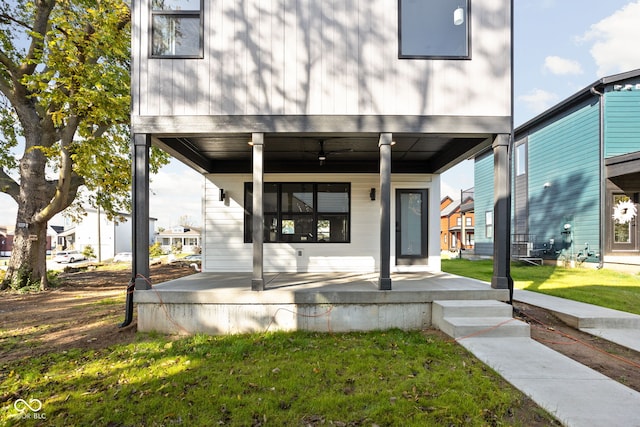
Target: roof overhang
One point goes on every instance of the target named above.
(624, 171)
(422, 144)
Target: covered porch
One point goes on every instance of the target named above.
(222, 303)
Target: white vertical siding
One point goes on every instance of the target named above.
(321, 57)
(224, 246)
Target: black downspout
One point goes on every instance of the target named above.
(603, 184)
(128, 315)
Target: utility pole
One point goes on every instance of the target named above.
(462, 230)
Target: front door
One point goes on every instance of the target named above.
(411, 227)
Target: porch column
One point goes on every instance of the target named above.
(257, 282)
(501, 278)
(140, 197)
(384, 282)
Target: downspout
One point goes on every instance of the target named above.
(128, 315)
(601, 171)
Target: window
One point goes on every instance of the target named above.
(488, 218)
(436, 29)
(467, 221)
(521, 159)
(621, 226)
(459, 221)
(176, 27)
(302, 212)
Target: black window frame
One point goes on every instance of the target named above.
(177, 14)
(274, 233)
(467, 25)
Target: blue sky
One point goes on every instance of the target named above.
(561, 46)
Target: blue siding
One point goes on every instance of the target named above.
(622, 122)
(565, 154)
(483, 202)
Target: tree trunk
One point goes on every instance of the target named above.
(28, 264)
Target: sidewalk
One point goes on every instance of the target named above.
(576, 395)
(612, 325)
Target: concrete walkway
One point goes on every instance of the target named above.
(575, 394)
(616, 326)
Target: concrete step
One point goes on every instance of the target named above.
(482, 318)
(493, 327)
(471, 308)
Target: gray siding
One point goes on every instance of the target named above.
(320, 57)
(483, 202)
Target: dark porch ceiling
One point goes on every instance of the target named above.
(624, 171)
(297, 153)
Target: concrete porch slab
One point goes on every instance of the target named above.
(223, 303)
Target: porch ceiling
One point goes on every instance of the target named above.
(624, 171)
(412, 153)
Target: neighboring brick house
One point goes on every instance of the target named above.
(453, 215)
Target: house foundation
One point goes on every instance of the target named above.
(222, 303)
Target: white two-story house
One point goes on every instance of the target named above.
(321, 126)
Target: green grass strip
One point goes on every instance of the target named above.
(378, 378)
(606, 288)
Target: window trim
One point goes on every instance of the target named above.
(178, 14)
(280, 214)
(488, 224)
(467, 23)
(521, 159)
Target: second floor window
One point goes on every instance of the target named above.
(434, 29)
(176, 27)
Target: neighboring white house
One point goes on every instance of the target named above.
(105, 236)
(322, 127)
(185, 239)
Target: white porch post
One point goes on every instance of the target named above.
(384, 282)
(257, 282)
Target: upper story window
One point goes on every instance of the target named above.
(176, 27)
(434, 29)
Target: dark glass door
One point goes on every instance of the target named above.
(411, 226)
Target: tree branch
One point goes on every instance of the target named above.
(64, 187)
(9, 186)
(40, 26)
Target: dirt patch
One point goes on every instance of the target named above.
(85, 313)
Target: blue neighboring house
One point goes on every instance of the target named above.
(575, 179)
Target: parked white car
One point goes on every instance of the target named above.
(123, 257)
(68, 256)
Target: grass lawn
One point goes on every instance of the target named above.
(607, 288)
(380, 378)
